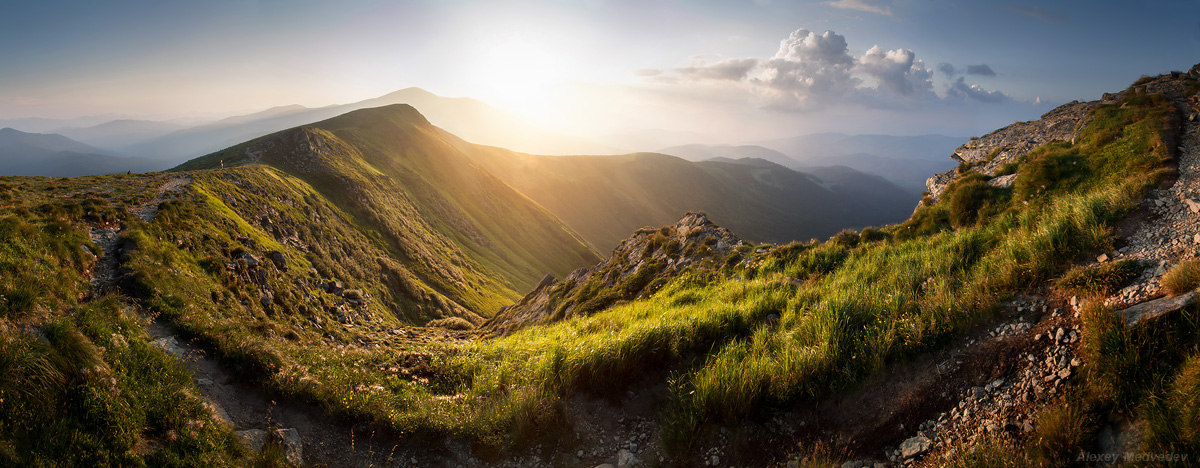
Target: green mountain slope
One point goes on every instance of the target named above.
(456, 226)
(605, 198)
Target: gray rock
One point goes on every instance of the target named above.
(1102, 258)
(267, 298)
(1004, 181)
(1058, 334)
(278, 259)
(1193, 205)
(914, 446)
(293, 447)
(625, 459)
(253, 438)
(169, 345)
(1155, 308)
(250, 259)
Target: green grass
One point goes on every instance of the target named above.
(1102, 280)
(1183, 278)
(867, 300)
(80, 384)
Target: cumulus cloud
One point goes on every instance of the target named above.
(808, 67)
(946, 69)
(861, 5)
(726, 70)
(981, 69)
(962, 91)
(812, 71)
(897, 71)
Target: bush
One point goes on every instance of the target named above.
(969, 201)
(1062, 433)
(1055, 170)
(847, 238)
(1183, 278)
(871, 234)
(1101, 280)
(451, 323)
(1185, 399)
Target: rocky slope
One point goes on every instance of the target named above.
(639, 266)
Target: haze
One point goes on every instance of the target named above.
(712, 71)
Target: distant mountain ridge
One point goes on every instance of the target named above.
(53, 155)
(605, 198)
(698, 152)
(467, 118)
(903, 160)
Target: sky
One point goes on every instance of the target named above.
(719, 71)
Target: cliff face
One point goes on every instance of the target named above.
(639, 266)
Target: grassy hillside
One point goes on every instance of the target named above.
(797, 322)
(453, 224)
(80, 384)
(311, 273)
(605, 198)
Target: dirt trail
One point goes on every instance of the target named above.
(326, 442)
(1166, 229)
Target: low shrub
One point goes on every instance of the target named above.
(1100, 280)
(451, 323)
(1183, 278)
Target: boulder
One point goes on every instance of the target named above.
(293, 447)
(1156, 308)
(278, 259)
(253, 438)
(625, 459)
(250, 259)
(170, 345)
(914, 446)
(1003, 181)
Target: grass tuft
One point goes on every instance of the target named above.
(1184, 278)
(1102, 280)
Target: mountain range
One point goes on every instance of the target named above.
(53, 155)
(605, 198)
(903, 160)
(349, 292)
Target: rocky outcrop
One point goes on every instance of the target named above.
(638, 266)
(994, 150)
(991, 152)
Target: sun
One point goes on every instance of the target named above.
(516, 72)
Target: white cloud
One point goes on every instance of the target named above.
(729, 69)
(897, 71)
(861, 5)
(811, 71)
(962, 91)
(808, 70)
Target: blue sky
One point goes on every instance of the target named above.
(728, 70)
